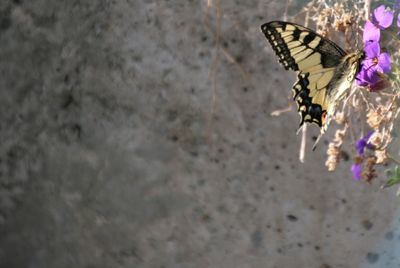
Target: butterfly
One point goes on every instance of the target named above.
(325, 72)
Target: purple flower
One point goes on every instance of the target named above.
(381, 19)
(363, 142)
(356, 169)
(375, 62)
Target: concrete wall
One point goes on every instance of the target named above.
(130, 139)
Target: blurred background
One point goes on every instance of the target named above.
(139, 133)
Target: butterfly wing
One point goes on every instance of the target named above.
(314, 58)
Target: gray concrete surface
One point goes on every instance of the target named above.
(118, 149)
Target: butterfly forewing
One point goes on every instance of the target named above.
(294, 44)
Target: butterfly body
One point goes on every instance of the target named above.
(342, 79)
(324, 71)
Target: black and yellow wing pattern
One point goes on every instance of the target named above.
(324, 70)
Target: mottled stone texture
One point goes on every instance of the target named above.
(131, 137)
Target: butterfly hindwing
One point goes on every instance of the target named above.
(311, 105)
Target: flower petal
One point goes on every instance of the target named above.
(369, 64)
(363, 142)
(383, 17)
(367, 77)
(360, 81)
(378, 12)
(384, 63)
(372, 49)
(371, 32)
(361, 76)
(356, 170)
(360, 146)
(371, 77)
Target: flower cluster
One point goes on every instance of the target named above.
(375, 63)
(367, 106)
(371, 75)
